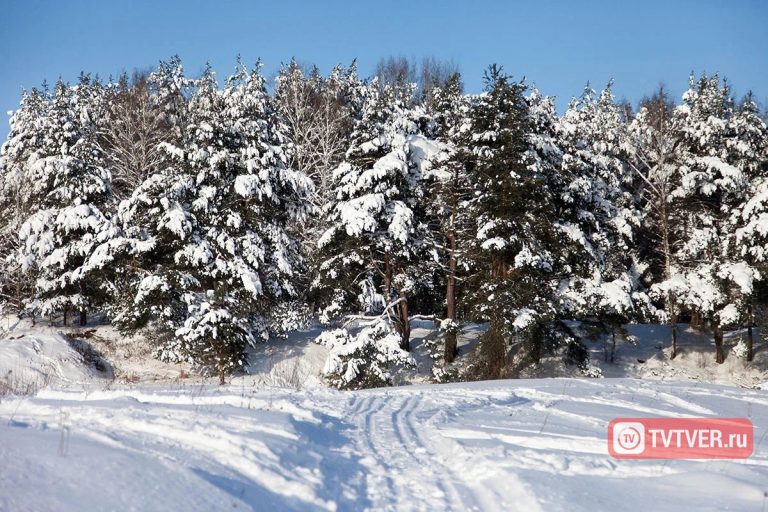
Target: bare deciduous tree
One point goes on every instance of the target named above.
(131, 134)
(653, 158)
(316, 120)
(431, 73)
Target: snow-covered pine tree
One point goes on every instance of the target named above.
(72, 188)
(210, 228)
(569, 261)
(749, 146)
(170, 88)
(375, 229)
(274, 197)
(366, 359)
(17, 185)
(146, 285)
(216, 328)
(601, 218)
(449, 187)
(516, 235)
(709, 277)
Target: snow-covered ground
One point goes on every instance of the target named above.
(33, 357)
(648, 357)
(106, 427)
(507, 445)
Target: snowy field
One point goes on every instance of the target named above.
(106, 427)
(508, 445)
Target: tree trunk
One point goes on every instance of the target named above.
(750, 338)
(696, 321)
(66, 312)
(402, 324)
(451, 346)
(666, 247)
(451, 342)
(719, 352)
(674, 336)
(387, 276)
(494, 340)
(494, 348)
(19, 299)
(83, 317)
(613, 342)
(405, 324)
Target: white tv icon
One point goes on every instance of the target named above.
(628, 438)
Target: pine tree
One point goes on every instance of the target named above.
(274, 197)
(72, 190)
(449, 192)
(375, 233)
(147, 286)
(602, 216)
(220, 258)
(750, 155)
(517, 239)
(23, 147)
(365, 360)
(170, 88)
(709, 276)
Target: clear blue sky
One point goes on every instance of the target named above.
(558, 45)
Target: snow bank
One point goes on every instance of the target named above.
(648, 357)
(506, 445)
(32, 358)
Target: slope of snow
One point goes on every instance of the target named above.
(45, 355)
(647, 357)
(295, 362)
(35, 357)
(505, 445)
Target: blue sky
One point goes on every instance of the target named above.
(558, 45)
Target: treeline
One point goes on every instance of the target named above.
(219, 216)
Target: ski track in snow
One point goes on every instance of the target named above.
(507, 445)
(407, 464)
